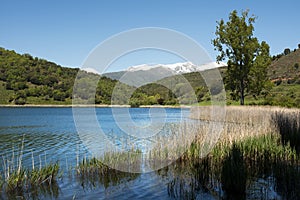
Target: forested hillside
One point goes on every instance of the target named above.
(28, 80)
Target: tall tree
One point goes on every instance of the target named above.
(247, 58)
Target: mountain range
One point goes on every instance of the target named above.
(148, 73)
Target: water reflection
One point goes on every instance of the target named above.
(43, 191)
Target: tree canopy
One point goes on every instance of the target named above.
(247, 58)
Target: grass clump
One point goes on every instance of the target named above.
(46, 175)
(93, 172)
(234, 168)
(17, 180)
(27, 183)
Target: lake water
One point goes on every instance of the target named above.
(49, 135)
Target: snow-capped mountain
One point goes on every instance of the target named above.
(142, 74)
(176, 68)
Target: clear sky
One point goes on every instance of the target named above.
(66, 31)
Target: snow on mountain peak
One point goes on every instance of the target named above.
(177, 68)
(90, 70)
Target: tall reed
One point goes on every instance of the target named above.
(17, 180)
(250, 146)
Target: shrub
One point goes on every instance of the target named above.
(58, 95)
(134, 103)
(287, 51)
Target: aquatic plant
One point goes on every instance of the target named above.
(91, 173)
(18, 180)
(46, 175)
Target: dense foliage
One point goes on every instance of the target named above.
(38, 81)
(180, 89)
(247, 58)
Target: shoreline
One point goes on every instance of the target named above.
(87, 106)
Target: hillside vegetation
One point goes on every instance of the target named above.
(28, 80)
(286, 67)
(285, 74)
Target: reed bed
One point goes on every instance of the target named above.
(127, 160)
(199, 137)
(229, 171)
(240, 121)
(256, 142)
(104, 171)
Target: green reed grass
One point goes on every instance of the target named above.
(93, 172)
(46, 174)
(17, 180)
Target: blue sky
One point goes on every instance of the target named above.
(66, 31)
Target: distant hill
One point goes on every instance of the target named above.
(286, 67)
(28, 80)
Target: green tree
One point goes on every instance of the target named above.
(246, 56)
(259, 81)
(201, 92)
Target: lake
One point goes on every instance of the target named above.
(50, 135)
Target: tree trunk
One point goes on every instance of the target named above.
(242, 95)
